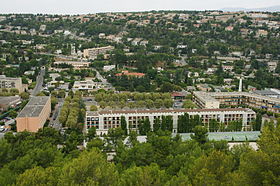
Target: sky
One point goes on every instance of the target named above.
(97, 6)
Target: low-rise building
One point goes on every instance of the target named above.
(104, 120)
(261, 33)
(107, 68)
(228, 81)
(227, 68)
(88, 85)
(235, 99)
(273, 93)
(34, 115)
(144, 42)
(134, 74)
(179, 95)
(272, 65)
(9, 101)
(229, 28)
(30, 72)
(84, 85)
(8, 83)
(75, 64)
(204, 100)
(136, 41)
(92, 53)
(204, 87)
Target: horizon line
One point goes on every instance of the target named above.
(152, 10)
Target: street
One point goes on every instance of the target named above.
(103, 80)
(54, 121)
(39, 82)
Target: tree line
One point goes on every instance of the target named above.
(72, 113)
(134, 100)
(34, 159)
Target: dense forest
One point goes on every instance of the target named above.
(49, 158)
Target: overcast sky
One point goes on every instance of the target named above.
(95, 6)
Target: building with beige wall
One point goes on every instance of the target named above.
(235, 99)
(92, 53)
(204, 100)
(8, 83)
(89, 85)
(9, 102)
(34, 115)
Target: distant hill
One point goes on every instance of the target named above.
(265, 9)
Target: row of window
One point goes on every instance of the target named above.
(7, 84)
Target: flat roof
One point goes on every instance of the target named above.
(34, 107)
(266, 92)
(6, 100)
(3, 77)
(210, 96)
(98, 48)
(204, 96)
(104, 112)
(228, 136)
(76, 62)
(231, 137)
(248, 94)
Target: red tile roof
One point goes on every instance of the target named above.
(177, 94)
(126, 73)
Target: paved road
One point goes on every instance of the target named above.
(100, 77)
(103, 80)
(39, 84)
(54, 122)
(89, 101)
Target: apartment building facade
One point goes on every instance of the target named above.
(92, 53)
(204, 100)
(8, 83)
(236, 99)
(104, 120)
(34, 115)
(89, 85)
(75, 64)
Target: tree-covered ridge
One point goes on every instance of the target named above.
(45, 158)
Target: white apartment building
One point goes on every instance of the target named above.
(8, 83)
(104, 120)
(107, 68)
(92, 53)
(75, 64)
(88, 85)
(215, 99)
(272, 65)
(204, 100)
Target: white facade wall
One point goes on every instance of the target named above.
(220, 115)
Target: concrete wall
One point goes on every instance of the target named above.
(212, 104)
(29, 124)
(33, 124)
